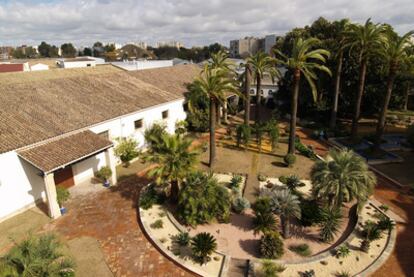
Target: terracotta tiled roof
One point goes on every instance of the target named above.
(57, 153)
(35, 109)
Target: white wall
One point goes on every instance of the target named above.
(77, 64)
(141, 65)
(267, 91)
(20, 184)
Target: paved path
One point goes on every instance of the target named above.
(111, 217)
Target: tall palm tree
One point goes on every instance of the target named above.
(173, 158)
(395, 52)
(286, 205)
(305, 59)
(340, 26)
(342, 177)
(368, 39)
(247, 83)
(214, 83)
(261, 64)
(37, 256)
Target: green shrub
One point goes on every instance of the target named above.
(271, 269)
(273, 132)
(342, 251)
(182, 239)
(271, 245)
(202, 246)
(304, 150)
(331, 219)
(62, 195)
(181, 127)
(264, 222)
(261, 178)
(290, 160)
(385, 223)
(310, 213)
(104, 173)
(283, 179)
(150, 197)
(384, 208)
(309, 273)
(262, 206)
(235, 181)
(243, 134)
(198, 120)
(301, 249)
(126, 149)
(157, 224)
(410, 134)
(153, 135)
(343, 273)
(240, 204)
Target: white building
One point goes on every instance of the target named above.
(64, 128)
(39, 67)
(76, 63)
(172, 43)
(142, 64)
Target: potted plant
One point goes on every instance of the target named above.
(104, 174)
(62, 195)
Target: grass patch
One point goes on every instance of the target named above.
(158, 224)
(301, 249)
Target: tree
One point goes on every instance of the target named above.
(304, 60)
(37, 256)
(286, 205)
(248, 80)
(68, 50)
(271, 245)
(329, 225)
(342, 177)
(260, 65)
(395, 52)
(126, 150)
(370, 232)
(367, 39)
(213, 83)
(44, 49)
(173, 158)
(203, 245)
(87, 51)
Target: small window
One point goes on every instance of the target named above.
(165, 114)
(88, 65)
(138, 124)
(185, 107)
(104, 134)
(252, 91)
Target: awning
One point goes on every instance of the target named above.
(58, 153)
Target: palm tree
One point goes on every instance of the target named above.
(286, 205)
(37, 256)
(341, 26)
(395, 52)
(370, 232)
(261, 64)
(203, 245)
(329, 226)
(264, 222)
(173, 158)
(306, 57)
(368, 39)
(342, 177)
(214, 83)
(247, 82)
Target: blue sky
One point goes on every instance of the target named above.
(194, 22)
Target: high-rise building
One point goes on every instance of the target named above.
(251, 45)
(172, 43)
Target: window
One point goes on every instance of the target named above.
(261, 92)
(185, 107)
(138, 124)
(252, 91)
(104, 134)
(165, 114)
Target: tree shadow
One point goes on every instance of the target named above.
(279, 164)
(251, 247)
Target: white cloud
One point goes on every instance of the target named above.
(194, 22)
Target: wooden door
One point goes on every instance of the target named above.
(64, 177)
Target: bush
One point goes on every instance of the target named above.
(310, 213)
(262, 206)
(261, 178)
(309, 273)
(264, 223)
(343, 273)
(62, 195)
(236, 181)
(385, 223)
(289, 160)
(150, 197)
(181, 127)
(301, 249)
(126, 150)
(104, 173)
(271, 245)
(243, 134)
(342, 251)
(153, 135)
(240, 204)
(183, 239)
(271, 269)
(198, 120)
(331, 218)
(410, 135)
(304, 150)
(157, 224)
(202, 246)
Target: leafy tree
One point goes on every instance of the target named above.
(395, 51)
(329, 225)
(243, 134)
(126, 150)
(342, 177)
(273, 131)
(54, 52)
(68, 50)
(214, 84)
(259, 129)
(173, 158)
(261, 64)
(202, 199)
(44, 49)
(202, 246)
(154, 134)
(87, 51)
(286, 205)
(37, 256)
(305, 58)
(367, 39)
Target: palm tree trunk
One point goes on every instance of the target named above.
(286, 226)
(381, 121)
(258, 98)
(247, 95)
(334, 112)
(174, 190)
(407, 91)
(212, 132)
(358, 100)
(225, 112)
(294, 109)
(217, 113)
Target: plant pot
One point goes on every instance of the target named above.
(63, 210)
(106, 184)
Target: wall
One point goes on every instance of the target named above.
(141, 65)
(78, 64)
(267, 91)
